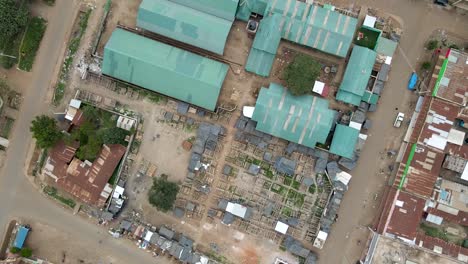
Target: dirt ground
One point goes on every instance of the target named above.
(389, 251)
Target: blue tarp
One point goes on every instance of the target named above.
(21, 237)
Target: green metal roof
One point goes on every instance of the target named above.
(314, 26)
(184, 24)
(305, 120)
(247, 7)
(357, 75)
(266, 42)
(386, 46)
(221, 8)
(344, 141)
(370, 97)
(164, 69)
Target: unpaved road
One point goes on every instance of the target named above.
(420, 19)
(19, 198)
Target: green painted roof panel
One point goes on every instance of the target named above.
(268, 35)
(370, 97)
(348, 97)
(358, 71)
(386, 47)
(305, 120)
(247, 7)
(344, 141)
(164, 69)
(184, 24)
(260, 62)
(225, 9)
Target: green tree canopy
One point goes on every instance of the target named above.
(26, 252)
(45, 131)
(163, 193)
(90, 150)
(13, 17)
(301, 74)
(114, 135)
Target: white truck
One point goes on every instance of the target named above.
(399, 119)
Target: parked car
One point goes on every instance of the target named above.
(399, 119)
(412, 81)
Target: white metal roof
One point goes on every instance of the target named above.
(118, 192)
(355, 125)
(322, 235)
(148, 235)
(343, 177)
(236, 209)
(464, 175)
(456, 137)
(318, 87)
(434, 219)
(248, 111)
(369, 21)
(75, 103)
(281, 227)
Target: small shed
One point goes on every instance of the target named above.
(281, 227)
(321, 88)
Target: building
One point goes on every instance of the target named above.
(344, 141)
(164, 69)
(21, 234)
(358, 71)
(309, 25)
(204, 24)
(305, 120)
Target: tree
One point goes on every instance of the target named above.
(26, 252)
(13, 17)
(114, 135)
(163, 193)
(91, 149)
(432, 44)
(45, 131)
(426, 65)
(301, 74)
(14, 250)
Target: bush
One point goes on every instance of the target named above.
(32, 40)
(301, 74)
(26, 252)
(426, 65)
(163, 194)
(432, 44)
(14, 250)
(454, 46)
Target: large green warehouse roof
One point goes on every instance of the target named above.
(357, 74)
(164, 69)
(305, 120)
(344, 141)
(221, 8)
(184, 24)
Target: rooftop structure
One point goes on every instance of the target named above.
(190, 21)
(88, 181)
(452, 197)
(451, 79)
(386, 47)
(266, 42)
(344, 141)
(356, 77)
(281, 227)
(164, 69)
(248, 7)
(406, 215)
(305, 120)
(238, 210)
(424, 167)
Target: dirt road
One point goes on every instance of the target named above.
(19, 198)
(420, 19)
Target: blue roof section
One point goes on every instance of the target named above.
(357, 74)
(164, 69)
(184, 24)
(20, 237)
(265, 45)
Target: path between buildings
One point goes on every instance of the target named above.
(18, 196)
(420, 19)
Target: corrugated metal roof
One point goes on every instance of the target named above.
(164, 69)
(184, 24)
(314, 26)
(246, 7)
(357, 75)
(344, 141)
(386, 46)
(221, 8)
(370, 98)
(305, 120)
(265, 45)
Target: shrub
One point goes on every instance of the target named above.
(301, 74)
(32, 40)
(26, 252)
(426, 65)
(14, 250)
(432, 44)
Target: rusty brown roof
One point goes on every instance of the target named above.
(423, 172)
(406, 215)
(447, 248)
(454, 84)
(63, 152)
(86, 180)
(461, 218)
